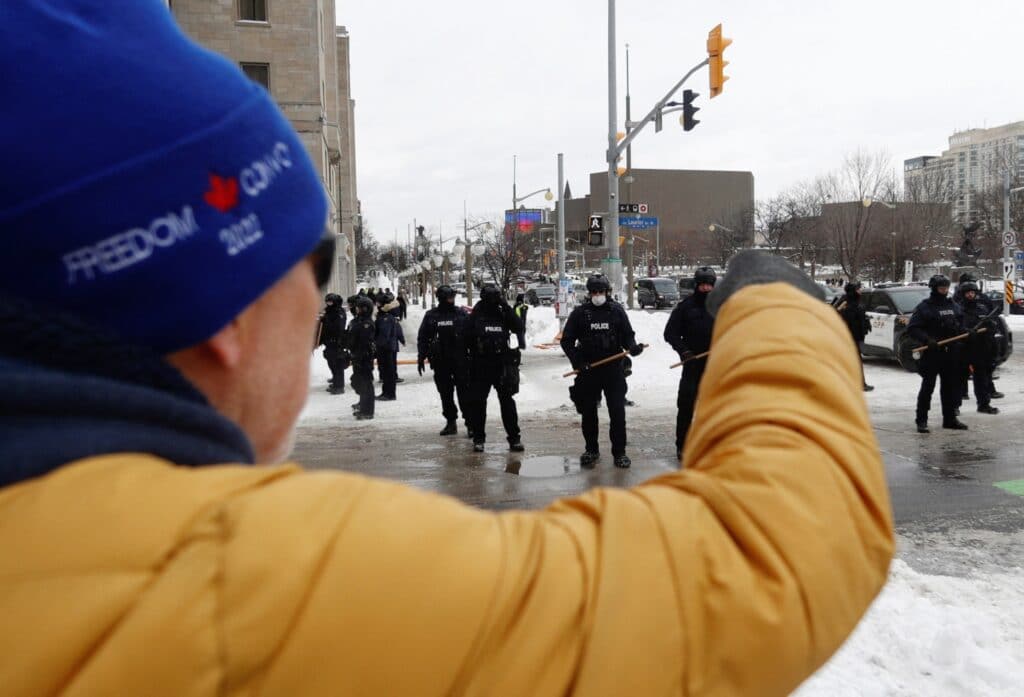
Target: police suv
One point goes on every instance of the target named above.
(889, 310)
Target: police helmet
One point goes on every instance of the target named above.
(851, 287)
(966, 277)
(490, 294)
(937, 281)
(598, 284)
(704, 274)
(332, 299)
(445, 292)
(364, 305)
(969, 285)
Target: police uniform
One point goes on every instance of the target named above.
(493, 364)
(441, 339)
(980, 349)
(389, 336)
(936, 318)
(688, 331)
(332, 338)
(362, 343)
(591, 333)
(856, 320)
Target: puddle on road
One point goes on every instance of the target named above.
(541, 466)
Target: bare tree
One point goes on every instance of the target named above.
(862, 175)
(506, 249)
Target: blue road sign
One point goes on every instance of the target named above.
(642, 222)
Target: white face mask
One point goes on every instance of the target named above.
(598, 299)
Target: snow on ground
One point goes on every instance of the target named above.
(933, 635)
(924, 635)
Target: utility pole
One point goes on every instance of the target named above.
(629, 183)
(1007, 251)
(612, 264)
(561, 217)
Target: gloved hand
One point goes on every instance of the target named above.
(686, 355)
(973, 331)
(517, 356)
(420, 364)
(751, 267)
(636, 349)
(932, 344)
(583, 367)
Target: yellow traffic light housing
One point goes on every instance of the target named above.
(716, 63)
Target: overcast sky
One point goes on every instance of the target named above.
(448, 91)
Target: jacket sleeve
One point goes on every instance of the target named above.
(423, 336)
(917, 327)
(570, 333)
(739, 575)
(674, 330)
(626, 334)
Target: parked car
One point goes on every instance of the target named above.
(541, 295)
(889, 310)
(656, 292)
(686, 287)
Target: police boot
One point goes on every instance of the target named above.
(478, 446)
(360, 416)
(589, 459)
(955, 424)
(449, 429)
(622, 461)
(987, 409)
(868, 388)
(997, 395)
(516, 446)
(922, 426)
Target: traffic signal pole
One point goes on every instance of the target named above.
(612, 264)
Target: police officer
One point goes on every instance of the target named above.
(332, 337)
(688, 331)
(389, 336)
(856, 320)
(521, 308)
(597, 329)
(980, 348)
(494, 364)
(441, 339)
(362, 340)
(936, 318)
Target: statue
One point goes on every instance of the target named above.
(969, 251)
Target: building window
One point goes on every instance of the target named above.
(258, 73)
(252, 10)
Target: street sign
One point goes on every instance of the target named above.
(641, 208)
(1009, 239)
(639, 222)
(596, 224)
(908, 271)
(1008, 270)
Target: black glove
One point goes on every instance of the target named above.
(751, 267)
(686, 355)
(583, 367)
(636, 349)
(420, 365)
(517, 356)
(932, 344)
(973, 331)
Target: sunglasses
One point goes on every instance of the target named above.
(322, 260)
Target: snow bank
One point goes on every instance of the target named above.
(933, 635)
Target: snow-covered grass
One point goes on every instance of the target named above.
(925, 635)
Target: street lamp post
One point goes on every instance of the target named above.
(471, 250)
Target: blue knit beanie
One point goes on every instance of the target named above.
(147, 185)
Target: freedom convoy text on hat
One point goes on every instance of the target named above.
(125, 249)
(181, 195)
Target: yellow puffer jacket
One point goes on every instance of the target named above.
(125, 575)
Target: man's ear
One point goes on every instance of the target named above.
(225, 347)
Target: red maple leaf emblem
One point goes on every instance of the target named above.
(223, 193)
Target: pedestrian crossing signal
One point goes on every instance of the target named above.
(595, 239)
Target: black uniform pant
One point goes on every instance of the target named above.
(388, 369)
(944, 366)
(336, 364)
(610, 380)
(450, 381)
(485, 375)
(689, 384)
(362, 382)
(980, 364)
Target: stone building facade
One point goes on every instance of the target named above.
(294, 49)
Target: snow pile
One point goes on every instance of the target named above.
(933, 635)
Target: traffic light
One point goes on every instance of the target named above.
(689, 110)
(716, 63)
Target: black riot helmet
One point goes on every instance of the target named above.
(490, 294)
(851, 287)
(332, 299)
(969, 285)
(704, 274)
(364, 306)
(598, 284)
(938, 281)
(967, 277)
(445, 293)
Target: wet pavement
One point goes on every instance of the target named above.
(941, 482)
